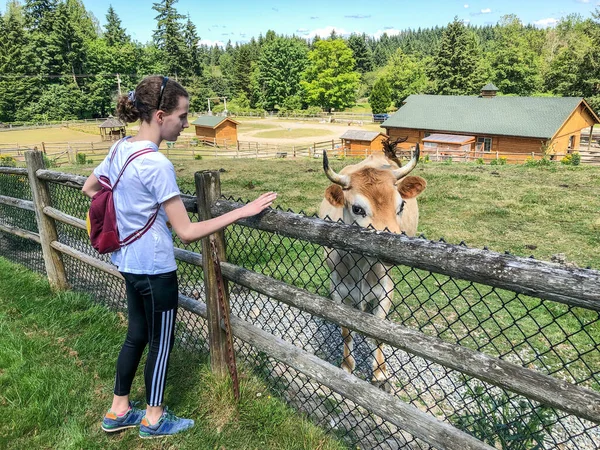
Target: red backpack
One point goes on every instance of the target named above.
(102, 218)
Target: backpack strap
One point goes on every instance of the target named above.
(139, 233)
(129, 160)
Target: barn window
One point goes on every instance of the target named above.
(485, 144)
(571, 142)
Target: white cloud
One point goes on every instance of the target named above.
(486, 11)
(325, 32)
(210, 43)
(582, 1)
(389, 32)
(466, 21)
(545, 23)
(466, 5)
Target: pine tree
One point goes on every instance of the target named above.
(38, 14)
(115, 33)
(362, 53)
(280, 70)
(455, 64)
(242, 68)
(168, 35)
(381, 96)
(192, 50)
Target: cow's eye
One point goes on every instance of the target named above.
(401, 208)
(358, 211)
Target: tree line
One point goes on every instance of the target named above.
(58, 63)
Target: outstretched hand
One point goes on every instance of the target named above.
(258, 205)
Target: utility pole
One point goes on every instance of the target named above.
(119, 84)
(209, 111)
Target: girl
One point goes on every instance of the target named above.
(146, 188)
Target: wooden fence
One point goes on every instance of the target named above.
(570, 286)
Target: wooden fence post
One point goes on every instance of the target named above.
(43, 147)
(208, 190)
(55, 268)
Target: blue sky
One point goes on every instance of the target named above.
(239, 20)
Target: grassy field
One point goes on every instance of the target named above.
(293, 133)
(57, 370)
(539, 211)
(37, 136)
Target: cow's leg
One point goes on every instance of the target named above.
(348, 362)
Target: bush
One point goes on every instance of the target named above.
(494, 162)
(7, 161)
(81, 158)
(544, 162)
(198, 157)
(503, 160)
(479, 161)
(48, 163)
(572, 159)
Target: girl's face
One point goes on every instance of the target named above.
(175, 122)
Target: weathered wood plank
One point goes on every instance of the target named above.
(532, 384)
(21, 233)
(65, 218)
(573, 286)
(13, 170)
(67, 179)
(19, 203)
(55, 268)
(87, 259)
(405, 416)
(208, 189)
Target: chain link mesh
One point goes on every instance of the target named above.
(553, 338)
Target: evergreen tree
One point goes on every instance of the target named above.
(115, 34)
(190, 35)
(168, 36)
(405, 75)
(362, 53)
(381, 96)
(514, 64)
(242, 69)
(280, 68)
(38, 14)
(454, 66)
(330, 80)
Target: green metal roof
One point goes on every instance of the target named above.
(538, 117)
(489, 87)
(210, 121)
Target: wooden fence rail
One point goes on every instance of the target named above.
(572, 286)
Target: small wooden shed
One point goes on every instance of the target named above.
(362, 143)
(221, 130)
(112, 129)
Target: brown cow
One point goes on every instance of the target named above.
(378, 193)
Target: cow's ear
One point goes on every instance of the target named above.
(410, 187)
(335, 195)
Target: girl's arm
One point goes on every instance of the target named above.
(189, 231)
(91, 186)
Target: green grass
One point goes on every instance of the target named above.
(292, 133)
(57, 368)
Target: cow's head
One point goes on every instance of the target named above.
(376, 196)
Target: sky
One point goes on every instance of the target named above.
(239, 20)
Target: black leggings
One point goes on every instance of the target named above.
(152, 310)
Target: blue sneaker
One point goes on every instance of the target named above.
(132, 418)
(168, 425)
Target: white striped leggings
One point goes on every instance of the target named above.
(152, 311)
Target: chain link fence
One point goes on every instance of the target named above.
(551, 337)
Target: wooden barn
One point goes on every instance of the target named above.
(221, 129)
(112, 129)
(517, 126)
(361, 143)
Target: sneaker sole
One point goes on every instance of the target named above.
(113, 430)
(156, 436)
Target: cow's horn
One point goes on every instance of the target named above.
(342, 180)
(403, 171)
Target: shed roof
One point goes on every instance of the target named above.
(359, 135)
(211, 121)
(449, 138)
(536, 117)
(112, 122)
(489, 87)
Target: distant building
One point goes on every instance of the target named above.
(221, 130)
(490, 123)
(362, 143)
(112, 129)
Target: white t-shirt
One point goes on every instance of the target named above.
(147, 182)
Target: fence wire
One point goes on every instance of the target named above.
(550, 337)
